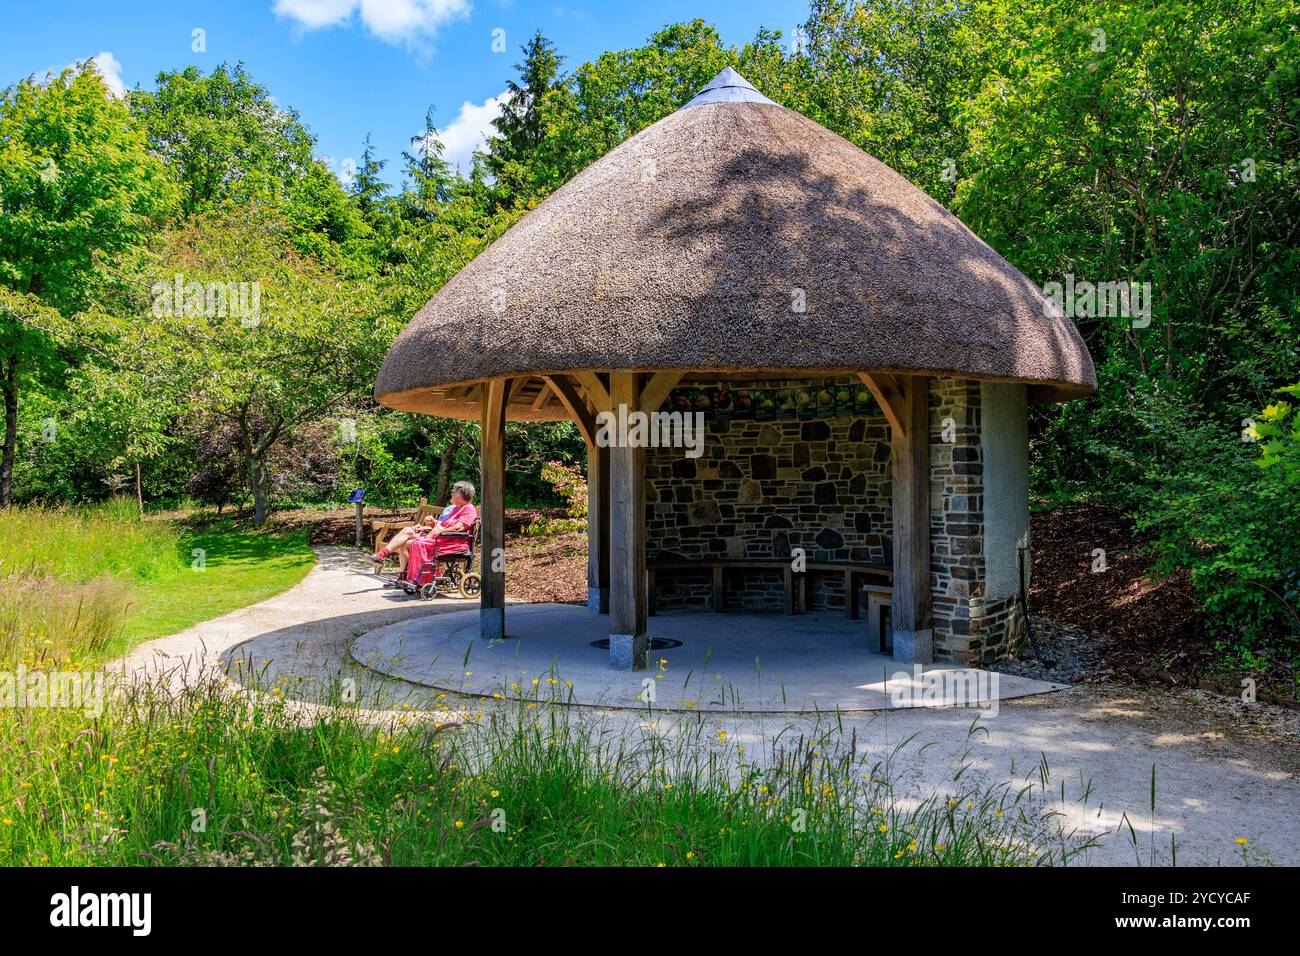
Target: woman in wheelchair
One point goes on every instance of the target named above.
(445, 535)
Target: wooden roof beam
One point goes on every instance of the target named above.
(576, 407)
(890, 392)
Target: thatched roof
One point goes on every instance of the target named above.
(686, 247)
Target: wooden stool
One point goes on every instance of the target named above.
(879, 597)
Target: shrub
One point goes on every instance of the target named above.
(1233, 525)
(570, 484)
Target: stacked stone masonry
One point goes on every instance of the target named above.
(762, 488)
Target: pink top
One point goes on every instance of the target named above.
(465, 515)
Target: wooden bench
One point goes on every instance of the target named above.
(878, 587)
(382, 529)
(718, 566)
(880, 578)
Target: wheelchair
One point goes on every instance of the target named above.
(448, 573)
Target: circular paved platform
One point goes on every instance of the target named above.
(726, 662)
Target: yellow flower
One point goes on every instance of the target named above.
(1242, 841)
(460, 824)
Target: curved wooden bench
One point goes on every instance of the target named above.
(718, 566)
(879, 586)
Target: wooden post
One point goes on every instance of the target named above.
(492, 478)
(597, 529)
(910, 607)
(628, 643)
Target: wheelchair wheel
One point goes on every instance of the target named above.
(470, 584)
(429, 591)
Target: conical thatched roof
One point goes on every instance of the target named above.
(691, 246)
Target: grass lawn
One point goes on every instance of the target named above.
(103, 779)
(239, 569)
(78, 585)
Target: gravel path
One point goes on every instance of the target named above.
(1224, 770)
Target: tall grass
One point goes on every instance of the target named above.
(210, 777)
(68, 575)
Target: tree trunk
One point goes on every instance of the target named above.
(139, 490)
(11, 431)
(257, 480)
(445, 462)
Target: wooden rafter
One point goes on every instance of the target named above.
(890, 392)
(575, 406)
(657, 389)
(595, 389)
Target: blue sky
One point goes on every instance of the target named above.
(353, 67)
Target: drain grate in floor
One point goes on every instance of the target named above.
(656, 643)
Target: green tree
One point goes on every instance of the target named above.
(368, 187)
(524, 117)
(78, 187)
(890, 77)
(429, 182)
(257, 335)
(224, 140)
(1156, 144)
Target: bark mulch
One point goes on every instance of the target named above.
(1122, 623)
(541, 569)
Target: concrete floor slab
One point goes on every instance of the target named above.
(735, 662)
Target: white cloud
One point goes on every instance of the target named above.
(468, 132)
(110, 68)
(394, 21)
(107, 65)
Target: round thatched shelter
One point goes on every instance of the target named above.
(736, 247)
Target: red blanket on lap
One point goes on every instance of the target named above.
(431, 547)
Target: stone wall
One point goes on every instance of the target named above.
(762, 488)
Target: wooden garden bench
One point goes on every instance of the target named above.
(384, 528)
